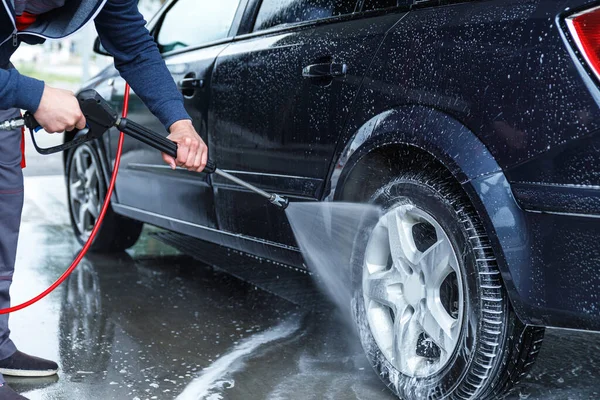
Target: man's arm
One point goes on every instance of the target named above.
(55, 109)
(123, 33)
(19, 91)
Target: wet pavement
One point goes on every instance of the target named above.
(155, 324)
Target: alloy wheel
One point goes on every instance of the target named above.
(413, 291)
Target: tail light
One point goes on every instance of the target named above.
(585, 29)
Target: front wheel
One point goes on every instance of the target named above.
(86, 189)
(433, 315)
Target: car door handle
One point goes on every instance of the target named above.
(191, 83)
(325, 70)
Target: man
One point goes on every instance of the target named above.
(122, 31)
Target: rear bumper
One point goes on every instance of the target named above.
(550, 259)
(557, 278)
(563, 280)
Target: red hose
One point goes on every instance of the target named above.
(88, 243)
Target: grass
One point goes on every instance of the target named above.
(30, 70)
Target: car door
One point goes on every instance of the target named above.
(281, 95)
(190, 36)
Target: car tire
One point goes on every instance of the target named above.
(492, 349)
(86, 189)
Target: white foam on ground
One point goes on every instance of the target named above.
(214, 377)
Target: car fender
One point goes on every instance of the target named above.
(452, 144)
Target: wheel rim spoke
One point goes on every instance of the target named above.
(384, 287)
(81, 223)
(92, 207)
(435, 263)
(401, 324)
(402, 246)
(91, 177)
(437, 327)
(94, 203)
(406, 336)
(79, 163)
(76, 189)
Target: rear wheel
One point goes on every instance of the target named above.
(86, 190)
(431, 309)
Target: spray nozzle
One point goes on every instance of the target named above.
(279, 201)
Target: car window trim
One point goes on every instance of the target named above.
(248, 17)
(238, 18)
(230, 35)
(160, 19)
(153, 21)
(258, 3)
(197, 47)
(250, 14)
(384, 11)
(319, 22)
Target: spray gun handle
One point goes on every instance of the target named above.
(30, 122)
(79, 136)
(147, 136)
(211, 167)
(156, 140)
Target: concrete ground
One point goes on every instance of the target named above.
(155, 324)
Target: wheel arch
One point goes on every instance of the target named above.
(399, 137)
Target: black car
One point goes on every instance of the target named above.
(473, 124)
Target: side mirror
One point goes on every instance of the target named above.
(99, 49)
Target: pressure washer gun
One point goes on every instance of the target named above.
(101, 117)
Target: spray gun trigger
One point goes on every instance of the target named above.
(82, 132)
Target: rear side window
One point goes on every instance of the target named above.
(274, 13)
(190, 23)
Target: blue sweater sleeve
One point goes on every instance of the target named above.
(19, 91)
(123, 33)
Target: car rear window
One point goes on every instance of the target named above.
(274, 13)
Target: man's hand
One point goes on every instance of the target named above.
(192, 152)
(59, 111)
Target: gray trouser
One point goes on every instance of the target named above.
(11, 205)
